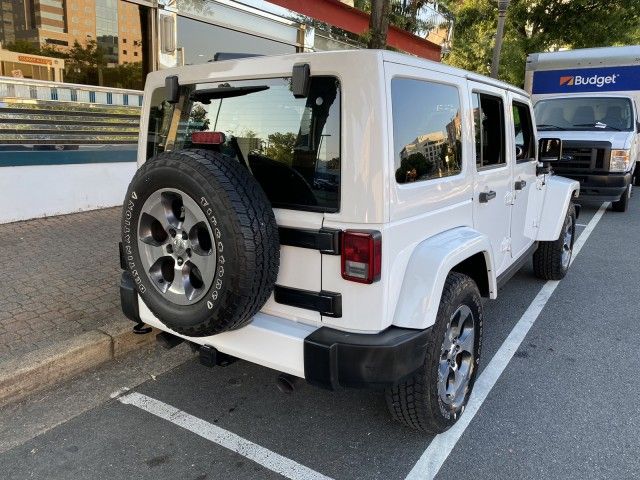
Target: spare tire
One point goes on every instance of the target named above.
(200, 240)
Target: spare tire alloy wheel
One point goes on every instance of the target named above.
(175, 244)
(200, 240)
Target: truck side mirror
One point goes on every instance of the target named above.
(549, 150)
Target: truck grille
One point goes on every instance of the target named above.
(584, 157)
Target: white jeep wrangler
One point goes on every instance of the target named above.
(338, 217)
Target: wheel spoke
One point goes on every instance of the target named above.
(466, 340)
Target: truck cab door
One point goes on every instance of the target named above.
(528, 189)
(493, 186)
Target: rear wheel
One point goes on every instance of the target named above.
(552, 259)
(435, 396)
(623, 204)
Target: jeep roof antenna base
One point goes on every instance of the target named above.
(172, 87)
(221, 56)
(301, 80)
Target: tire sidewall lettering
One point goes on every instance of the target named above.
(128, 239)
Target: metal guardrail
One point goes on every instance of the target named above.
(67, 92)
(49, 123)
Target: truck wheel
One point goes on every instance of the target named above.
(200, 240)
(551, 260)
(435, 396)
(623, 204)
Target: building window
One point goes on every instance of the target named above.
(427, 130)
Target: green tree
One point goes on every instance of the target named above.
(536, 26)
(198, 118)
(413, 167)
(280, 147)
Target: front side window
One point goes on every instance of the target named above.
(525, 149)
(290, 145)
(427, 130)
(488, 118)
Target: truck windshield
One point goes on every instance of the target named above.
(290, 145)
(585, 113)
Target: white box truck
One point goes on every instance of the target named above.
(589, 98)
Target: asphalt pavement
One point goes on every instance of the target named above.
(566, 405)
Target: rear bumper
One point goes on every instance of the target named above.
(325, 357)
(605, 187)
(335, 359)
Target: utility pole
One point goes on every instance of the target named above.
(502, 13)
(379, 23)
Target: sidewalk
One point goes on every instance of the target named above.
(59, 301)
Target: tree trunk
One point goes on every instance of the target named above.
(379, 23)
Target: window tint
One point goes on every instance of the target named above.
(523, 131)
(488, 116)
(426, 130)
(290, 145)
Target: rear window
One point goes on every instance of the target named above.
(291, 145)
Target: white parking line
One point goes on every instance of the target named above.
(441, 446)
(268, 459)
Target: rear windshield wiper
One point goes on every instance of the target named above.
(549, 125)
(205, 96)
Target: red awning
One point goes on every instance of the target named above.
(355, 21)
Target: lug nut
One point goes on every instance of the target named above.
(185, 235)
(188, 252)
(169, 249)
(172, 232)
(180, 261)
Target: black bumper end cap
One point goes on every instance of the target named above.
(335, 359)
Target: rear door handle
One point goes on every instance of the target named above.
(520, 184)
(486, 196)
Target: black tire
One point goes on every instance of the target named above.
(416, 402)
(238, 211)
(622, 205)
(548, 258)
(637, 175)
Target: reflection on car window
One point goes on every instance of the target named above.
(488, 118)
(291, 146)
(426, 130)
(523, 131)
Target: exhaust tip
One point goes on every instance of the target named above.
(286, 383)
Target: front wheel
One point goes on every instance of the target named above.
(434, 397)
(552, 259)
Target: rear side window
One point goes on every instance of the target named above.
(488, 119)
(523, 125)
(426, 130)
(290, 145)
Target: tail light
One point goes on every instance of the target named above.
(207, 138)
(361, 255)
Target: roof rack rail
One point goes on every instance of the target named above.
(221, 56)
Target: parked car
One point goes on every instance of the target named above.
(589, 98)
(444, 193)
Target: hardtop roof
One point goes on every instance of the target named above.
(351, 57)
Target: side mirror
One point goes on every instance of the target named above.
(549, 150)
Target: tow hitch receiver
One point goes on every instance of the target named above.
(210, 357)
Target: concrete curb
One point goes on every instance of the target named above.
(45, 367)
